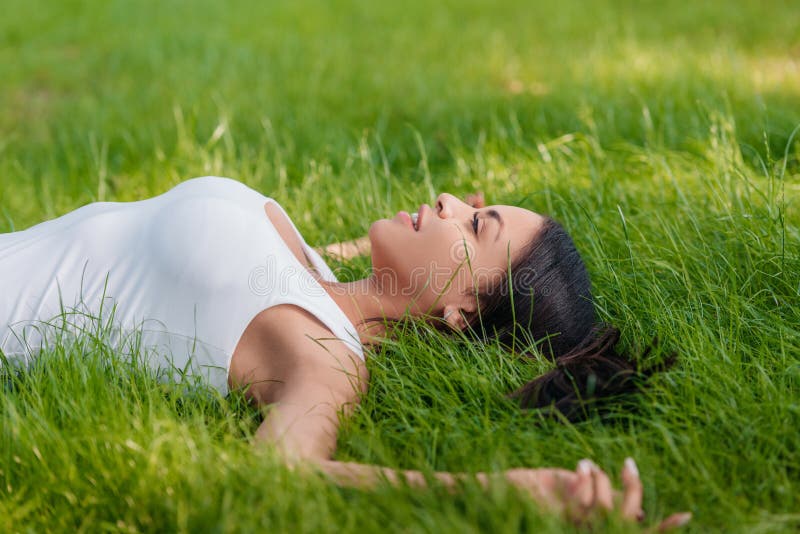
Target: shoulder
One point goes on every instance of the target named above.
(293, 350)
(283, 225)
(314, 345)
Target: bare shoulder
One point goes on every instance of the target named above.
(287, 351)
(287, 233)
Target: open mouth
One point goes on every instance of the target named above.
(416, 218)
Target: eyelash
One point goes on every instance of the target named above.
(475, 222)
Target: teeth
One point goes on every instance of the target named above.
(414, 218)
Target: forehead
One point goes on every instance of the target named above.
(519, 226)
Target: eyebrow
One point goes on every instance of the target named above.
(496, 216)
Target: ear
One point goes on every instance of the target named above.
(456, 316)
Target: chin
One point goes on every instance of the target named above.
(385, 244)
(376, 230)
(378, 235)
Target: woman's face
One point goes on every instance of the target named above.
(453, 250)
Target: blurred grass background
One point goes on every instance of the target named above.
(659, 133)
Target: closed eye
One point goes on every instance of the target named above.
(475, 222)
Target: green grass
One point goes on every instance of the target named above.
(658, 133)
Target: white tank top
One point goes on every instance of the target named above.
(185, 272)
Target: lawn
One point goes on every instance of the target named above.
(661, 134)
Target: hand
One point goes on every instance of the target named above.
(347, 249)
(475, 199)
(587, 491)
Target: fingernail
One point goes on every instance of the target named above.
(683, 518)
(585, 467)
(631, 465)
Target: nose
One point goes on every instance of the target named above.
(447, 205)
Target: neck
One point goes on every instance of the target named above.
(365, 299)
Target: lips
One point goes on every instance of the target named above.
(405, 218)
(413, 220)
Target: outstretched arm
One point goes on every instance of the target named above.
(347, 250)
(551, 487)
(304, 426)
(578, 495)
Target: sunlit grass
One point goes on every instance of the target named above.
(660, 136)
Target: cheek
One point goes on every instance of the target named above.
(446, 273)
(420, 264)
(465, 263)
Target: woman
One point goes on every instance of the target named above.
(218, 285)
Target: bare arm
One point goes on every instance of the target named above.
(303, 425)
(347, 249)
(579, 495)
(303, 422)
(540, 483)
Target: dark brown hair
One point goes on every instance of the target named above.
(544, 303)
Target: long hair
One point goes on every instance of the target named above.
(544, 303)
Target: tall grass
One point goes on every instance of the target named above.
(659, 134)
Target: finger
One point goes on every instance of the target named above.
(548, 487)
(674, 521)
(604, 494)
(632, 497)
(476, 200)
(582, 491)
